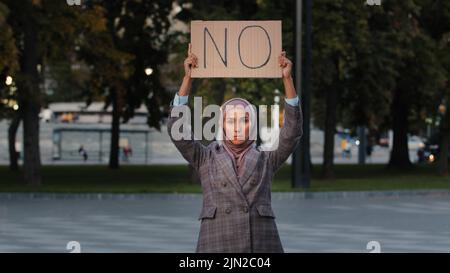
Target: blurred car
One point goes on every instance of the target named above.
(383, 141)
(415, 142)
(430, 152)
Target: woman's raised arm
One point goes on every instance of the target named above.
(292, 129)
(192, 150)
(190, 63)
(286, 65)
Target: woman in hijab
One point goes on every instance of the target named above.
(236, 175)
(237, 116)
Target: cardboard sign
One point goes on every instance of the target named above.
(236, 49)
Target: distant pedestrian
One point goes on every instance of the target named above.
(83, 153)
(127, 152)
(346, 148)
(369, 149)
(420, 155)
(343, 146)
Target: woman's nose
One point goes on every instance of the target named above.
(237, 128)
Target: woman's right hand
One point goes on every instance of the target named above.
(190, 62)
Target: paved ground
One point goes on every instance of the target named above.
(168, 223)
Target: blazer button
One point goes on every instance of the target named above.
(224, 184)
(254, 182)
(245, 209)
(228, 210)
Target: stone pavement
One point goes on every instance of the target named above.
(322, 222)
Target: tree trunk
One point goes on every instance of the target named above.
(444, 142)
(443, 155)
(400, 154)
(12, 132)
(330, 129)
(115, 130)
(29, 101)
(31, 159)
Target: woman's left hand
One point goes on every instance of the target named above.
(285, 64)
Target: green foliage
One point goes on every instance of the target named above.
(8, 63)
(367, 53)
(142, 29)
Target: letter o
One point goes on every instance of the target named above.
(239, 47)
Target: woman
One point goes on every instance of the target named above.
(236, 175)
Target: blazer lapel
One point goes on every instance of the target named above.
(250, 163)
(226, 166)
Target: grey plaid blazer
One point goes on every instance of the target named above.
(237, 216)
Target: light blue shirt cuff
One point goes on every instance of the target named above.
(179, 100)
(292, 101)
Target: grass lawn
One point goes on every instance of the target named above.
(142, 179)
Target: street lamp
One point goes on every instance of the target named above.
(9, 80)
(276, 99)
(442, 109)
(148, 71)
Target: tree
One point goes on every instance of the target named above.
(435, 20)
(140, 30)
(25, 26)
(341, 38)
(43, 31)
(109, 70)
(418, 73)
(8, 99)
(373, 66)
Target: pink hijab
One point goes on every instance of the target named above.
(237, 152)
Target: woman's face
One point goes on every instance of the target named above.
(237, 125)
